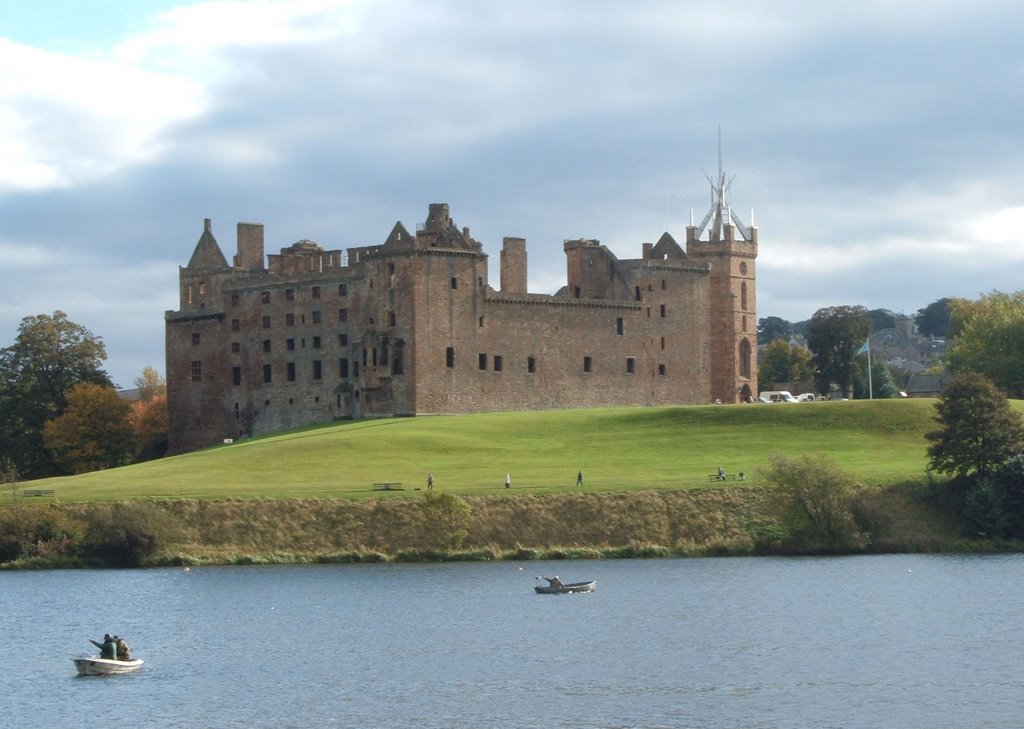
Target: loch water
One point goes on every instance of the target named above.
(868, 641)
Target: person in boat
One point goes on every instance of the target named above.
(555, 582)
(108, 648)
(124, 653)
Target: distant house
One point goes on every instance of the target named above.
(902, 348)
(927, 385)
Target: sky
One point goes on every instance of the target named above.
(879, 144)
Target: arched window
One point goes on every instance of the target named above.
(744, 358)
(743, 296)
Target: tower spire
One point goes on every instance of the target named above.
(721, 213)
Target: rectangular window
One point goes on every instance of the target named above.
(291, 372)
(317, 370)
(234, 299)
(197, 371)
(662, 309)
(343, 340)
(483, 361)
(342, 289)
(195, 339)
(267, 375)
(661, 370)
(289, 344)
(266, 345)
(497, 363)
(235, 325)
(586, 363)
(630, 365)
(531, 364)
(619, 326)
(343, 367)
(449, 357)
(663, 342)
(266, 322)
(236, 347)
(289, 320)
(342, 314)
(455, 283)
(289, 294)
(391, 318)
(265, 297)
(316, 342)
(637, 294)
(397, 362)
(316, 317)
(236, 376)
(316, 292)
(662, 284)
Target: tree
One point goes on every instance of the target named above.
(881, 319)
(782, 362)
(50, 356)
(882, 384)
(150, 423)
(837, 333)
(93, 433)
(444, 518)
(151, 384)
(978, 429)
(813, 499)
(989, 339)
(771, 328)
(933, 320)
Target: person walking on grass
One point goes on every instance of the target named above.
(508, 481)
(579, 477)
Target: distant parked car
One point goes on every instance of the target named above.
(777, 396)
(806, 397)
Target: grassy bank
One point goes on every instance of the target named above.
(620, 449)
(309, 495)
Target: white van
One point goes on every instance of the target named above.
(778, 396)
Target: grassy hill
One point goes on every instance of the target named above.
(880, 442)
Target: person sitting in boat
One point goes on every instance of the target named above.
(124, 653)
(555, 582)
(108, 648)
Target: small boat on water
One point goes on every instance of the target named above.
(556, 587)
(89, 666)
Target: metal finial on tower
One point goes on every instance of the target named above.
(721, 213)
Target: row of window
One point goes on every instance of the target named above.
(498, 362)
(289, 294)
(316, 370)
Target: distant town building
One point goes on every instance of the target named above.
(411, 327)
(902, 348)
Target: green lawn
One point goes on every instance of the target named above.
(879, 441)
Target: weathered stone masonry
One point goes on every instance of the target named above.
(412, 327)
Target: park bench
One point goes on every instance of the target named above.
(726, 477)
(388, 486)
(38, 492)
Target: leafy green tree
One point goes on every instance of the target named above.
(445, 517)
(837, 334)
(933, 320)
(771, 328)
(782, 362)
(995, 505)
(989, 339)
(813, 499)
(50, 356)
(93, 433)
(882, 384)
(881, 319)
(978, 430)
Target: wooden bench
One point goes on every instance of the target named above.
(388, 486)
(725, 477)
(38, 492)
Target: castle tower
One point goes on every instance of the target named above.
(730, 249)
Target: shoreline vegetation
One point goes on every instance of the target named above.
(308, 496)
